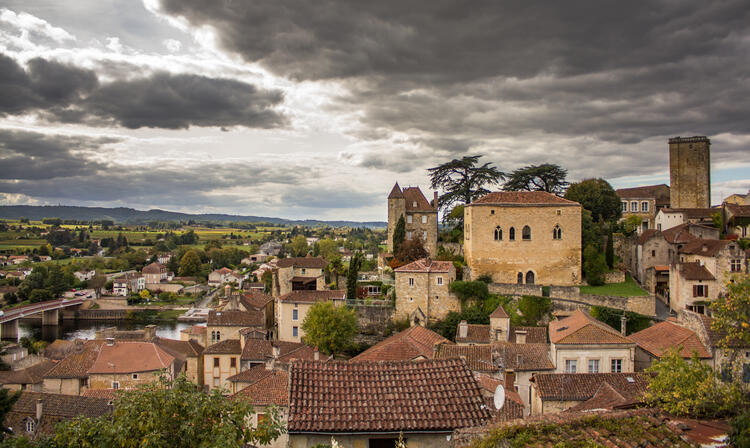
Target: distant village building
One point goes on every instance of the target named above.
(524, 237)
(35, 414)
(644, 202)
(668, 218)
(737, 220)
(420, 216)
(299, 274)
(128, 283)
(292, 309)
(155, 273)
(225, 275)
(423, 291)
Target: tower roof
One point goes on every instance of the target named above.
(396, 192)
(694, 139)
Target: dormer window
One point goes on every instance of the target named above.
(30, 426)
(414, 204)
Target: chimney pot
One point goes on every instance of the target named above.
(38, 409)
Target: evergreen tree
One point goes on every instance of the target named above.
(462, 180)
(190, 265)
(399, 234)
(351, 276)
(609, 253)
(546, 177)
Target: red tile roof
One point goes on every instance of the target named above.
(582, 386)
(523, 197)
(414, 195)
(227, 347)
(131, 357)
(581, 328)
(706, 248)
(477, 357)
(646, 235)
(255, 300)
(413, 343)
(370, 397)
(302, 262)
(606, 397)
(499, 313)
(312, 296)
(154, 268)
(475, 334)
(523, 357)
(262, 349)
(109, 394)
(679, 234)
(660, 193)
(695, 271)
(659, 338)
(78, 362)
(29, 375)
(513, 406)
(272, 389)
(236, 319)
(251, 375)
(179, 349)
(694, 213)
(534, 335)
(427, 265)
(55, 408)
(738, 211)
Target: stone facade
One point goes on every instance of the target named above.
(583, 353)
(420, 216)
(123, 380)
(689, 293)
(218, 367)
(283, 275)
(292, 309)
(425, 285)
(690, 172)
(524, 237)
(65, 386)
(644, 202)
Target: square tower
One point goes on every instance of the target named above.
(690, 172)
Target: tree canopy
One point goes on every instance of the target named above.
(598, 197)
(411, 250)
(546, 177)
(731, 313)
(330, 328)
(351, 275)
(298, 247)
(399, 234)
(190, 264)
(463, 181)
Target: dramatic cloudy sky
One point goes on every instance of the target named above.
(313, 109)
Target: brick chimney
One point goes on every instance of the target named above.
(463, 329)
(38, 409)
(623, 324)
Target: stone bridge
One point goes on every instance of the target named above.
(50, 311)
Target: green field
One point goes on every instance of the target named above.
(628, 288)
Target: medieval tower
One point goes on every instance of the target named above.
(420, 216)
(690, 172)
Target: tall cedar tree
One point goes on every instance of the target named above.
(399, 234)
(609, 253)
(546, 177)
(462, 180)
(598, 197)
(351, 276)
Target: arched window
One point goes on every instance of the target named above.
(557, 233)
(520, 278)
(218, 336)
(529, 278)
(30, 426)
(512, 234)
(213, 336)
(498, 233)
(526, 233)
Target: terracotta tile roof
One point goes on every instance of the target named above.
(29, 375)
(618, 429)
(534, 335)
(679, 234)
(523, 357)
(523, 197)
(581, 328)
(694, 213)
(646, 235)
(738, 211)
(607, 397)
(226, 347)
(659, 338)
(582, 386)
(395, 192)
(303, 353)
(695, 271)
(412, 343)
(707, 248)
(223, 271)
(131, 357)
(55, 408)
(477, 357)
(195, 329)
(660, 193)
(250, 375)
(262, 349)
(59, 349)
(312, 296)
(255, 300)
(414, 194)
(271, 389)
(513, 406)
(236, 319)
(154, 268)
(476, 333)
(371, 397)
(78, 362)
(179, 349)
(108, 394)
(426, 265)
(499, 313)
(302, 262)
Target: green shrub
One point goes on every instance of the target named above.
(613, 317)
(532, 309)
(594, 266)
(470, 290)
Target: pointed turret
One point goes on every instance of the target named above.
(396, 192)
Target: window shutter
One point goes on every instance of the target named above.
(695, 290)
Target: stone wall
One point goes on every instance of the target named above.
(373, 322)
(513, 289)
(453, 248)
(614, 277)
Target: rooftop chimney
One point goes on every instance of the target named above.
(435, 349)
(520, 336)
(316, 354)
(623, 324)
(435, 201)
(227, 291)
(463, 329)
(276, 351)
(110, 341)
(149, 332)
(38, 409)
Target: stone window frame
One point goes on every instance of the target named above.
(625, 206)
(634, 206)
(115, 385)
(424, 219)
(533, 278)
(588, 365)
(409, 219)
(295, 331)
(233, 362)
(615, 362)
(700, 290)
(135, 376)
(217, 362)
(644, 207)
(557, 232)
(295, 314)
(519, 278)
(498, 233)
(735, 265)
(526, 236)
(411, 281)
(512, 234)
(571, 362)
(439, 281)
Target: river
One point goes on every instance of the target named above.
(85, 329)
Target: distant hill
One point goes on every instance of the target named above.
(124, 215)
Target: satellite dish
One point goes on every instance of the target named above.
(499, 397)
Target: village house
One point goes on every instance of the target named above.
(644, 202)
(737, 219)
(30, 378)
(272, 389)
(552, 393)
(254, 302)
(188, 357)
(12, 351)
(221, 361)
(164, 258)
(580, 343)
(424, 401)
(413, 344)
(513, 407)
(721, 348)
(70, 376)
(298, 274)
(499, 330)
(655, 341)
(155, 273)
(225, 275)
(671, 217)
(128, 364)
(271, 248)
(423, 291)
(195, 333)
(223, 325)
(255, 258)
(692, 287)
(36, 414)
(84, 275)
(420, 216)
(292, 309)
(737, 199)
(524, 237)
(128, 283)
(270, 353)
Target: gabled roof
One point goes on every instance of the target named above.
(272, 389)
(396, 192)
(251, 375)
(131, 357)
(659, 338)
(427, 265)
(738, 211)
(302, 262)
(499, 313)
(223, 271)
(523, 197)
(414, 195)
(660, 193)
(109, 394)
(647, 235)
(581, 328)
(476, 334)
(78, 362)
(29, 375)
(477, 357)
(179, 349)
(695, 271)
(706, 248)
(255, 300)
(582, 386)
(412, 343)
(226, 347)
(154, 268)
(534, 335)
(371, 397)
(235, 319)
(262, 349)
(523, 357)
(55, 408)
(679, 234)
(312, 296)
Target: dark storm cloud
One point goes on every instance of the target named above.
(330, 198)
(61, 92)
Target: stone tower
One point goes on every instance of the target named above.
(396, 209)
(690, 172)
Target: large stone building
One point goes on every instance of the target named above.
(423, 290)
(299, 274)
(690, 172)
(644, 202)
(524, 237)
(420, 216)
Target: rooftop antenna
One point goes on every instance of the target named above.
(499, 397)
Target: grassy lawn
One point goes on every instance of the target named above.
(627, 289)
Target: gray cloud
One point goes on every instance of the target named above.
(61, 92)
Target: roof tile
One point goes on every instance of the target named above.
(523, 197)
